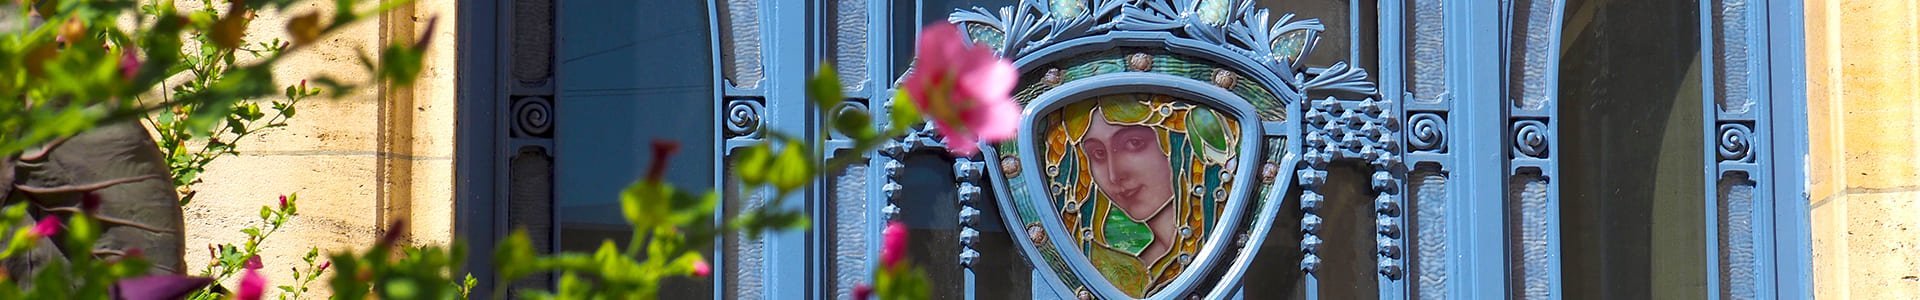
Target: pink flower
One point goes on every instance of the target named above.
(283, 201)
(862, 292)
(324, 265)
(47, 226)
(964, 88)
(252, 286)
(253, 263)
(701, 268)
(129, 64)
(894, 243)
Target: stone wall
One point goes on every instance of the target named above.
(358, 162)
(1863, 60)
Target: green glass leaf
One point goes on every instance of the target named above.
(1125, 111)
(1205, 129)
(1068, 9)
(983, 34)
(1214, 12)
(1125, 234)
(1289, 46)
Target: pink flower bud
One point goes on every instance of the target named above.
(283, 201)
(701, 268)
(662, 149)
(48, 226)
(862, 292)
(254, 263)
(324, 265)
(893, 245)
(129, 64)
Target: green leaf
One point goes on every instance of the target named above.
(792, 169)
(823, 89)
(751, 163)
(688, 208)
(645, 203)
(401, 64)
(904, 113)
(855, 124)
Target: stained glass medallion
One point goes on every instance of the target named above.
(1139, 177)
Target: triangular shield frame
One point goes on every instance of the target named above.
(1221, 54)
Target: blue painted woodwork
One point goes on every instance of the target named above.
(1460, 150)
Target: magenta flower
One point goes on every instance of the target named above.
(701, 268)
(129, 64)
(862, 292)
(893, 246)
(964, 88)
(253, 263)
(283, 198)
(48, 226)
(252, 286)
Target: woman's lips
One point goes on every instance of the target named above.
(1130, 194)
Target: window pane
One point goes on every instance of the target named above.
(1632, 146)
(613, 100)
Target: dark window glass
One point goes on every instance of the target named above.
(1631, 143)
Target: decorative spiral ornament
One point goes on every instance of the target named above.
(743, 117)
(1736, 143)
(1429, 132)
(533, 116)
(1530, 138)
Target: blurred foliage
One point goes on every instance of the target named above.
(74, 65)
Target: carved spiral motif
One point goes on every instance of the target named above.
(533, 115)
(1736, 142)
(1428, 131)
(743, 117)
(1530, 138)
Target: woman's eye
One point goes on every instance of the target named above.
(1097, 154)
(1136, 144)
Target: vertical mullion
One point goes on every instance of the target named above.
(789, 113)
(1532, 36)
(1792, 277)
(1741, 192)
(1478, 210)
(1709, 99)
(879, 81)
(1389, 35)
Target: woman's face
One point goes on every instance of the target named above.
(1127, 164)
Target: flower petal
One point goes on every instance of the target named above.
(252, 286)
(48, 226)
